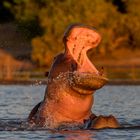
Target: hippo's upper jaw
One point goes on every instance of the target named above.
(78, 43)
(86, 78)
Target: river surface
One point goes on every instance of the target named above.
(121, 101)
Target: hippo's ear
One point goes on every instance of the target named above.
(54, 58)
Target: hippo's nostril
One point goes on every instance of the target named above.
(83, 47)
(95, 42)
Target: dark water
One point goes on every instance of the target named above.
(121, 101)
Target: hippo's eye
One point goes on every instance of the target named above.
(54, 58)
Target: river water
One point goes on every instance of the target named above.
(16, 101)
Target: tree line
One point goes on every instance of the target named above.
(43, 22)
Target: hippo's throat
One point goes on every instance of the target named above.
(86, 65)
(79, 54)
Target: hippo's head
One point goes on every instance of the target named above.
(83, 77)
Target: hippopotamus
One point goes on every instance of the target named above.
(72, 81)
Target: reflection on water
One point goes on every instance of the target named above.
(72, 135)
(17, 101)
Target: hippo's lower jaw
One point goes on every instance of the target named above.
(86, 83)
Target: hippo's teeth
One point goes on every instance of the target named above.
(73, 49)
(79, 57)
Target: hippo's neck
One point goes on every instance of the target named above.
(63, 105)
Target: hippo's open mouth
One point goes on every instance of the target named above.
(86, 77)
(79, 42)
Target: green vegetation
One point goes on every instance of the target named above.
(44, 22)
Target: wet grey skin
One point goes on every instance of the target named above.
(72, 77)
